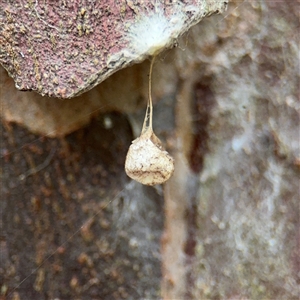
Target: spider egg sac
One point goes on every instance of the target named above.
(147, 162)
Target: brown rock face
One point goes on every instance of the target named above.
(55, 117)
(225, 226)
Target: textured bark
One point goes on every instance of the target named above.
(228, 111)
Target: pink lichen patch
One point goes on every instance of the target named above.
(54, 46)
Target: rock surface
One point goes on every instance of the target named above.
(228, 111)
(232, 206)
(62, 49)
(72, 225)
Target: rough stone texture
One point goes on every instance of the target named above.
(56, 117)
(64, 48)
(232, 206)
(76, 228)
(228, 111)
(126, 91)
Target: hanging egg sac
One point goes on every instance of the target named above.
(147, 162)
